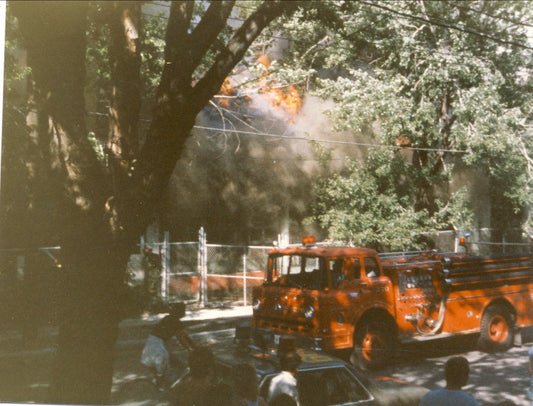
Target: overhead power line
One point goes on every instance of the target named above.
(324, 141)
(299, 138)
(509, 20)
(431, 20)
(444, 24)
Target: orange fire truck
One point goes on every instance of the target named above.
(343, 297)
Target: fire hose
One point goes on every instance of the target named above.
(427, 320)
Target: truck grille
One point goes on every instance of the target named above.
(284, 327)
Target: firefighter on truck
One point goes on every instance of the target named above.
(344, 297)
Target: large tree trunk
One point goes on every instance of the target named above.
(93, 263)
(101, 217)
(89, 320)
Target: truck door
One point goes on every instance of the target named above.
(376, 287)
(356, 285)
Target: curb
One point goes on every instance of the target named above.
(192, 315)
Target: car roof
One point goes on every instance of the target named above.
(266, 362)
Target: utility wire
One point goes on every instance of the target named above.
(297, 138)
(432, 20)
(509, 20)
(440, 23)
(460, 6)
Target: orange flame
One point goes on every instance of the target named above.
(227, 89)
(264, 60)
(285, 99)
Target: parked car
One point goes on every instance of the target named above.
(323, 379)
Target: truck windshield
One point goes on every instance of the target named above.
(305, 272)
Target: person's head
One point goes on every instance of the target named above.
(201, 362)
(456, 372)
(147, 250)
(245, 381)
(282, 400)
(289, 361)
(177, 310)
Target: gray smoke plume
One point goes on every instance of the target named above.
(248, 188)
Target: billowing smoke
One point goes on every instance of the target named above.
(252, 182)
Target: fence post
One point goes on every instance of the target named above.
(202, 266)
(143, 243)
(504, 243)
(199, 267)
(244, 275)
(165, 259)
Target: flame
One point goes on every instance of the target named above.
(264, 60)
(284, 99)
(227, 89)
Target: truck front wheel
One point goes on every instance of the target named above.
(373, 345)
(496, 332)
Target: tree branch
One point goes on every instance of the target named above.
(177, 30)
(237, 46)
(125, 57)
(208, 29)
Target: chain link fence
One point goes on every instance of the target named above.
(232, 272)
(194, 272)
(206, 273)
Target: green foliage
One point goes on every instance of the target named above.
(15, 140)
(97, 52)
(452, 80)
(152, 53)
(98, 37)
(371, 208)
(457, 212)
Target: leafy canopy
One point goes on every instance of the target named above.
(448, 83)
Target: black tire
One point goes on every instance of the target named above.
(374, 345)
(497, 329)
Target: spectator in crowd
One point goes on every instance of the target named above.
(282, 400)
(456, 372)
(246, 386)
(156, 354)
(285, 381)
(201, 387)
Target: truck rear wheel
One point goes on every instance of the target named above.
(373, 345)
(496, 329)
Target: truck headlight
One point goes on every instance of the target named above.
(256, 305)
(309, 312)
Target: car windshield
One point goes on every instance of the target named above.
(306, 272)
(325, 386)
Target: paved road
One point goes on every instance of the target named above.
(24, 370)
(493, 377)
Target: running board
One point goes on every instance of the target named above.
(521, 335)
(422, 338)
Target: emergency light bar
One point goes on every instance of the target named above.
(308, 240)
